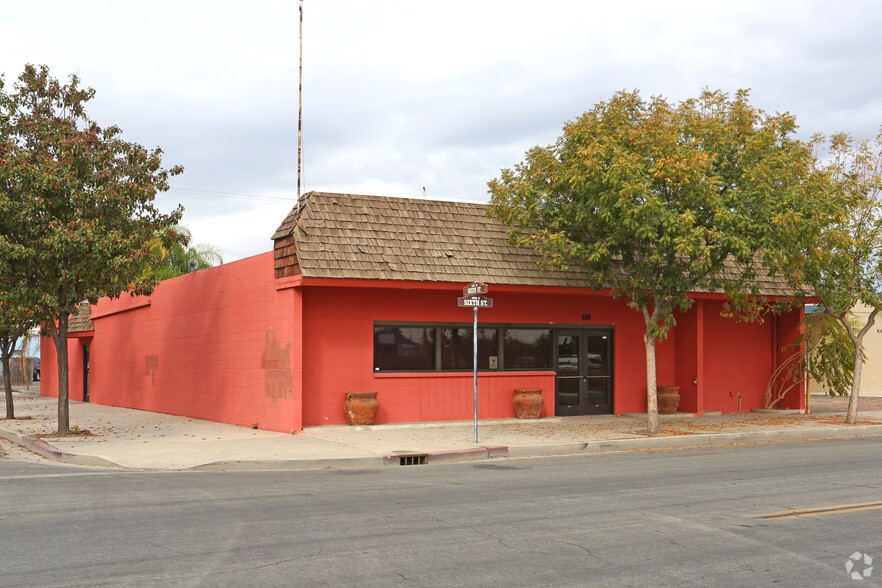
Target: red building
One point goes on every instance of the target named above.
(360, 293)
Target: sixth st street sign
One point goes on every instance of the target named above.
(475, 302)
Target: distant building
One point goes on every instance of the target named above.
(871, 374)
(30, 348)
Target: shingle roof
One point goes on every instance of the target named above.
(81, 320)
(388, 238)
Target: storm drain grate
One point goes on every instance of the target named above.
(412, 460)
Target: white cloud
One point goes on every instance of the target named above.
(401, 94)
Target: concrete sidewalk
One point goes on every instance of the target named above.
(127, 438)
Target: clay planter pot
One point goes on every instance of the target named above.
(668, 399)
(528, 403)
(361, 407)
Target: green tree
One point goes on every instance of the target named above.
(76, 206)
(830, 352)
(655, 199)
(13, 321)
(181, 258)
(842, 264)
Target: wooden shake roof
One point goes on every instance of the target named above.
(81, 321)
(388, 238)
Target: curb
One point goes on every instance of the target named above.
(428, 424)
(257, 465)
(634, 444)
(698, 440)
(471, 454)
(453, 456)
(48, 451)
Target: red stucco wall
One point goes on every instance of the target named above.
(738, 360)
(790, 328)
(686, 357)
(338, 325)
(735, 358)
(220, 344)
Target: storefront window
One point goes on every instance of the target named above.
(527, 349)
(404, 348)
(422, 348)
(457, 344)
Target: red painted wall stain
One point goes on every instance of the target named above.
(151, 366)
(276, 365)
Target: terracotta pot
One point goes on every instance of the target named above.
(361, 407)
(528, 403)
(668, 399)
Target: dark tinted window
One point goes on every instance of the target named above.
(527, 349)
(404, 348)
(457, 344)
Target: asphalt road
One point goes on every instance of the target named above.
(675, 517)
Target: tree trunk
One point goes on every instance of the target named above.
(851, 415)
(651, 386)
(7, 344)
(59, 335)
(651, 382)
(858, 341)
(7, 385)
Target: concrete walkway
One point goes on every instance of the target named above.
(119, 437)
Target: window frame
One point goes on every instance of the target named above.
(437, 326)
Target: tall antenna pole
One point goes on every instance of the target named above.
(300, 108)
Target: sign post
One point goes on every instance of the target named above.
(475, 372)
(472, 299)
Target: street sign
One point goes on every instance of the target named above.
(474, 302)
(476, 288)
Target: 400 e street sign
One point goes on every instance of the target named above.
(472, 296)
(475, 288)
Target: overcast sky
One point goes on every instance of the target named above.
(401, 95)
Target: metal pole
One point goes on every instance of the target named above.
(808, 383)
(300, 108)
(475, 357)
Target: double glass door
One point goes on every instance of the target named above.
(583, 361)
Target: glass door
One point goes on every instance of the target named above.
(583, 361)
